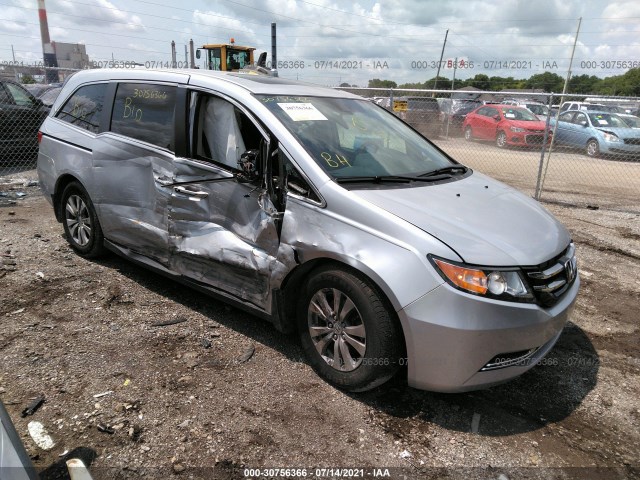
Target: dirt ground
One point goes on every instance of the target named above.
(221, 390)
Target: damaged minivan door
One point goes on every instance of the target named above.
(222, 229)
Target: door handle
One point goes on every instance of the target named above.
(191, 193)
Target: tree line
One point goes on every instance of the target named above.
(627, 84)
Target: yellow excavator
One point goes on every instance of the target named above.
(229, 57)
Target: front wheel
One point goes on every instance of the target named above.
(593, 149)
(80, 222)
(501, 140)
(347, 331)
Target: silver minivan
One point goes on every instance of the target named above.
(317, 210)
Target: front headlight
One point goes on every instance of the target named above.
(505, 284)
(610, 137)
(517, 129)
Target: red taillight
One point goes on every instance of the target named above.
(39, 136)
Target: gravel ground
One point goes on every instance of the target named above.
(219, 390)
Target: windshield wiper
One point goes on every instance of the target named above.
(386, 179)
(375, 179)
(460, 169)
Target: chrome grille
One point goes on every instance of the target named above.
(553, 278)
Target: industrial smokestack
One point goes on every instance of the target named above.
(48, 51)
(274, 56)
(173, 54)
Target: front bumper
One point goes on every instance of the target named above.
(619, 148)
(451, 336)
(532, 139)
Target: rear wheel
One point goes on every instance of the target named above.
(80, 222)
(347, 332)
(468, 134)
(593, 149)
(501, 140)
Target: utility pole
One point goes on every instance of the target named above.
(435, 82)
(541, 175)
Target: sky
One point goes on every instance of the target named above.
(329, 42)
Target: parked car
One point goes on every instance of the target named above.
(582, 106)
(317, 210)
(506, 125)
(422, 113)
(453, 112)
(21, 114)
(631, 120)
(48, 97)
(597, 133)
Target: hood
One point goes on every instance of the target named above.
(527, 125)
(622, 132)
(484, 221)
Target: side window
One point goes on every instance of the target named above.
(580, 119)
(20, 96)
(483, 111)
(4, 96)
(220, 131)
(84, 107)
(566, 117)
(146, 112)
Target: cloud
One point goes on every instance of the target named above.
(103, 14)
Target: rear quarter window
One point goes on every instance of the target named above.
(84, 107)
(145, 112)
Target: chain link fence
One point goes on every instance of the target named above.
(578, 150)
(23, 108)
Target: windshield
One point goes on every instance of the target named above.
(464, 107)
(351, 137)
(632, 121)
(538, 109)
(519, 114)
(607, 120)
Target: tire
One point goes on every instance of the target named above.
(593, 148)
(80, 222)
(501, 140)
(468, 134)
(363, 349)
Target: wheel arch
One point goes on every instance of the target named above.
(61, 184)
(292, 285)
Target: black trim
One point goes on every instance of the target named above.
(107, 107)
(86, 149)
(180, 119)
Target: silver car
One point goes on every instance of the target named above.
(317, 210)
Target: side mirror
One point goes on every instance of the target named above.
(496, 118)
(198, 54)
(248, 166)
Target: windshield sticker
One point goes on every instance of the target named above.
(602, 121)
(302, 112)
(510, 115)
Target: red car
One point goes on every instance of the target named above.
(506, 125)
